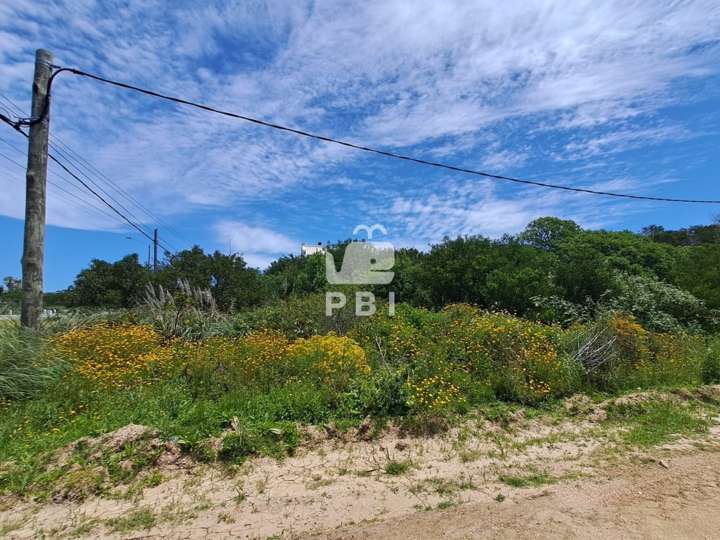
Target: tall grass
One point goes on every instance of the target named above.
(26, 363)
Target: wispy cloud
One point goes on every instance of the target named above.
(470, 208)
(464, 81)
(623, 140)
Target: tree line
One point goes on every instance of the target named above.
(554, 270)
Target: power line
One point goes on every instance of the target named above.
(82, 165)
(63, 155)
(91, 190)
(125, 218)
(323, 138)
(63, 190)
(68, 196)
(72, 194)
(11, 106)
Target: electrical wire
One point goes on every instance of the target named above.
(69, 155)
(386, 153)
(60, 153)
(69, 194)
(81, 162)
(72, 185)
(81, 165)
(91, 190)
(125, 218)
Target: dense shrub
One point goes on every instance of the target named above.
(417, 360)
(381, 393)
(434, 392)
(617, 352)
(301, 316)
(333, 360)
(266, 359)
(659, 306)
(711, 365)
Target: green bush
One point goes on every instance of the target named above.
(616, 352)
(379, 394)
(659, 306)
(711, 365)
(464, 355)
(301, 316)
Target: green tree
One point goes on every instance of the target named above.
(233, 283)
(698, 272)
(228, 277)
(291, 275)
(408, 283)
(118, 284)
(582, 272)
(501, 274)
(626, 252)
(690, 236)
(192, 265)
(548, 232)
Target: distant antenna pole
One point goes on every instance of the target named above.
(148, 258)
(35, 193)
(155, 246)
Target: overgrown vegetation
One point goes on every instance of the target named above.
(525, 320)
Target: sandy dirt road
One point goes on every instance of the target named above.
(637, 501)
(542, 477)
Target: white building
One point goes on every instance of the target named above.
(311, 249)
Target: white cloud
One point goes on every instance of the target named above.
(503, 160)
(258, 260)
(258, 245)
(454, 74)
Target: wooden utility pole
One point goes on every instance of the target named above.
(35, 191)
(155, 246)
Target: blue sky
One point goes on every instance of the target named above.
(621, 96)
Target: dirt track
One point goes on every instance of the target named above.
(641, 501)
(583, 486)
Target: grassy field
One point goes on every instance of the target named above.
(225, 389)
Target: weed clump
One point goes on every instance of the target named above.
(276, 440)
(396, 468)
